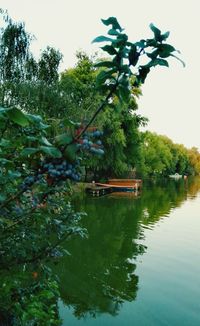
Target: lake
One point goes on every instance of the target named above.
(140, 264)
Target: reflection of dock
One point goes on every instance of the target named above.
(126, 194)
(131, 186)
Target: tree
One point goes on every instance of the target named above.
(162, 157)
(31, 85)
(121, 140)
(194, 159)
(157, 158)
(77, 86)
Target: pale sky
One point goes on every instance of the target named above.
(170, 95)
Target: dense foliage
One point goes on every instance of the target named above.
(161, 157)
(41, 157)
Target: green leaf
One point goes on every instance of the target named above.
(120, 41)
(165, 50)
(156, 62)
(112, 21)
(18, 117)
(151, 43)
(45, 141)
(153, 54)
(29, 151)
(70, 152)
(113, 32)
(156, 31)
(51, 151)
(42, 126)
(32, 138)
(133, 55)
(108, 64)
(63, 139)
(124, 93)
(109, 49)
(164, 36)
(34, 118)
(143, 72)
(102, 39)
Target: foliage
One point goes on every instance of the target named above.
(77, 86)
(162, 157)
(24, 81)
(121, 140)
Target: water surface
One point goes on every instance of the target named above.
(140, 264)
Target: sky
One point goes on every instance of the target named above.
(170, 95)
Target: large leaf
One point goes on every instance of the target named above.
(156, 62)
(123, 94)
(112, 21)
(45, 141)
(120, 41)
(70, 152)
(165, 50)
(63, 139)
(18, 117)
(133, 55)
(153, 54)
(29, 151)
(143, 72)
(34, 118)
(156, 31)
(164, 36)
(102, 39)
(109, 49)
(51, 151)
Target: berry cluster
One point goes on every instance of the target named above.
(89, 142)
(62, 170)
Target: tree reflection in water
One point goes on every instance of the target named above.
(99, 274)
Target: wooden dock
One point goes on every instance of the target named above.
(135, 184)
(114, 185)
(97, 191)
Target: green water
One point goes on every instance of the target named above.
(140, 264)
